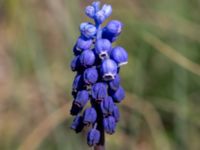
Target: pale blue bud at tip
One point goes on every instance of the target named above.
(108, 69)
(100, 17)
(107, 9)
(96, 5)
(90, 11)
(119, 55)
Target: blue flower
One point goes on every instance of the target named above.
(96, 5)
(119, 55)
(75, 109)
(77, 83)
(118, 95)
(99, 91)
(90, 75)
(97, 65)
(75, 64)
(87, 58)
(93, 137)
(109, 124)
(107, 106)
(90, 11)
(77, 124)
(82, 98)
(112, 30)
(100, 17)
(108, 69)
(116, 113)
(88, 30)
(103, 48)
(107, 9)
(89, 116)
(83, 44)
(115, 83)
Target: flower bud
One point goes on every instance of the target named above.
(88, 30)
(89, 116)
(99, 91)
(83, 44)
(77, 124)
(119, 55)
(93, 137)
(114, 27)
(82, 98)
(118, 95)
(96, 5)
(78, 83)
(109, 124)
(116, 113)
(112, 30)
(90, 75)
(87, 58)
(107, 106)
(107, 9)
(103, 48)
(115, 83)
(108, 69)
(100, 17)
(75, 109)
(75, 64)
(90, 11)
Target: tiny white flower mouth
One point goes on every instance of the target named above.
(108, 76)
(103, 55)
(123, 63)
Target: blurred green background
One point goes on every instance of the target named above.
(162, 80)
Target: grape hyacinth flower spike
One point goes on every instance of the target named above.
(97, 79)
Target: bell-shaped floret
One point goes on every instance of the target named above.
(108, 69)
(118, 95)
(93, 137)
(119, 55)
(90, 76)
(107, 106)
(77, 124)
(103, 48)
(87, 58)
(89, 116)
(99, 91)
(109, 124)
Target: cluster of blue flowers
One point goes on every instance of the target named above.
(97, 64)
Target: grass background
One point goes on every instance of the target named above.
(162, 80)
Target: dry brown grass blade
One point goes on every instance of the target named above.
(172, 54)
(34, 139)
